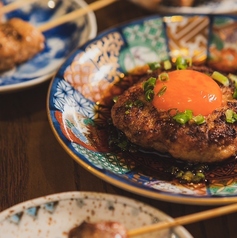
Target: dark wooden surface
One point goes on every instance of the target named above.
(33, 164)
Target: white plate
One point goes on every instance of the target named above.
(60, 42)
(54, 215)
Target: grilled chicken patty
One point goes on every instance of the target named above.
(144, 125)
(19, 41)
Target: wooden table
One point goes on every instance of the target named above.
(33, 164)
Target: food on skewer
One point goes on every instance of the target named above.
(184, 112)
(19, 42)
(102, 229)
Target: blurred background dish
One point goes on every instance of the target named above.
(55, 215)
(60, 41)
(79, 112)
(189, 6)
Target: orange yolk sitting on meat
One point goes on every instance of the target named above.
(188, 90)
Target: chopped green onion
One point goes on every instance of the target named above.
(220, 78)
(163, 77)
(183, 117)
(149, 84)
(231, 116)
(198, 177)
(153, 66)
(148, 88)
(182, 63)
(235, 93)
(233, 78)
(167, 65)
(149, 95)
(199, 119)
(138, 103)
(130, 104)
(162, 91)
(188, 176)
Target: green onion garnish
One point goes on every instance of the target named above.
(233, 78)
(148, 87)
(183, 117)
(231, 116)
(167, 65)
(163, 77)
(220, 78)
(199, 119)
(235, 93)
(130, 104)
(182, 63)
(154, 65)
(149, 95)
(149, 84)
(162, 91)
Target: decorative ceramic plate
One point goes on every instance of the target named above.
(55, 215)
(60, 41)
(203, 7)
(79, 111)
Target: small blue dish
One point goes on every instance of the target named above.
(60, 41)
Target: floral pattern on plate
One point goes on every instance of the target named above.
(79, 110)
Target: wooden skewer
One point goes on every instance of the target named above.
(73, 15)
(14, 5)
(184, 220)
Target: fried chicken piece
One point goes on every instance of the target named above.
(103, 229)
(19, 42)
(144, 125)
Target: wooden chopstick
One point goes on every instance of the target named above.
(14, 5)
(184, 220)
(73, 15)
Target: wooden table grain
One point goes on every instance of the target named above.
(33, 164)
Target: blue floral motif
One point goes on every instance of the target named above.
(63, 95)
(84, 106)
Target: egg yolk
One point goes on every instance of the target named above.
(188, 90)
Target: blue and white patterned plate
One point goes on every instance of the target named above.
(53, 216)
(79, 109)
(60, 41)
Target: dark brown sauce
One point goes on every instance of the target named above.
(160, 166)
